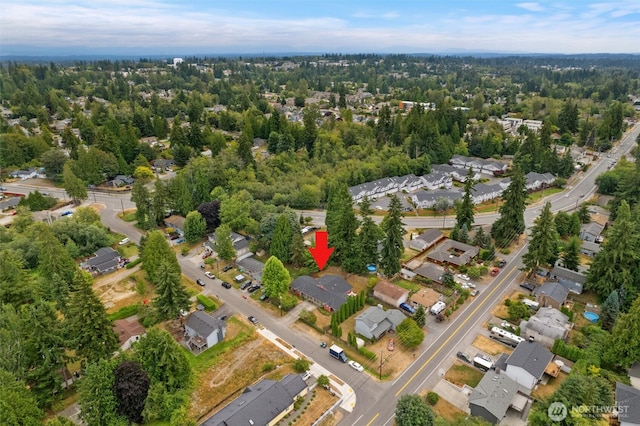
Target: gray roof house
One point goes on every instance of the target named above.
(240, 243)
(426, 199)
(535, 181)
(9, 203)
(262, 404)
(634, 374)
(430, 272)
(572, 280)
(552, 294)
(453, 252)
(426, 240)
(628, 402)
(329, 291)
(589, 249)
(103, 261)
(482, 192)
(547, 325)
(375, 322)
(203, 331)
(176, 222)
(527, 363)
(121, 180)
(591, 231)
(492, 397)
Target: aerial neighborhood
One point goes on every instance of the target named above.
(320, 240)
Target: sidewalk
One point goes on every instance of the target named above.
(347, 394)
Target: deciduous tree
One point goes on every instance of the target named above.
(130, 387)
(275, 278)
(194, 227)
(411, 410)
(224, 245)
(409, 333)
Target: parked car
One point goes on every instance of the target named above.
(200, 282)
(223, 317)
(463, 356)
(528, 286)
(494, 272)
(356, 366)
(67, 213)
(391, 345)
(306, 375)
(474, 292)
(206, 254)
(180, 241)
(264, 297)
(253, 288)
(209, 275)
(226, 284)
(124, 241)
(502, 263)
(253, 319)
(323, 344)
(463, 277)
(200, 307)
(227, 268)
(246, 285)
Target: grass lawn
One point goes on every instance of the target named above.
(460, 374)
(128, 216)
(545, 391)
(448, 411)
(538, 195)
(128, 250)
(408, 285)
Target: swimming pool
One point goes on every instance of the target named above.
(591, 316)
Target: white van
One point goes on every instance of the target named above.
(438, 307)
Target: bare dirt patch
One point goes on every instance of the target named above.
(501, 310)
(448, 411)
(545, 391)
(232, 371)
(489, 346)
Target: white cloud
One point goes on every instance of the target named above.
(531, 6)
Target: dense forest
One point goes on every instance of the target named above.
(251, 140)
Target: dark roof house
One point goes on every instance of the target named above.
(329, 291)
(527, 364)
(453, 252)
(430, 272)
(572, 280)
(552, 294)
(426, 240)
(203, 331)
(492, 397)
(262, 404)
(104, 260)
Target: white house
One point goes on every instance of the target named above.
(437, 180)
(203, 331)
(427, 239)
(390, 293)
(426, 199)
(129, 330)
(535, 181)
(527, 363)
(482, 192)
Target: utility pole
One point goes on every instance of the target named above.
(380, 374)
(122, 205)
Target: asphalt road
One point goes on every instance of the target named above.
(376, 401)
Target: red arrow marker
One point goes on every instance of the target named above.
(322, 252)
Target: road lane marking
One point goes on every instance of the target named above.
(455, 332)
(374, 417)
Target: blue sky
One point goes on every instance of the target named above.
(346, 26)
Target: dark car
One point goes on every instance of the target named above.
(253, 288)
(226, 284)
(463, 356)
(222, 317)
(264, 297)
(253, 319)
(528, 286)
(502, 263)
(200, 282)
(227, 268)
(246, 284)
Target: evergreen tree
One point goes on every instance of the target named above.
(511, 222)
(341, 221)
(98, 404)
(73, 185)
(616, 264)
(156, 250)
(369, 235)
(245, 143)
(392, 244)
(480, 238)
(583, 214)
(297, 249)
(159, 201)
(610, 310)
(86, 325)
(43, 349)
(224, 245)
(171, 293)
(281, 241)
(194, 227)
(17, 405)
(464, 209)
(420, 317)
(542, 249)
(571, 254)
(142, 197)
(624, 347)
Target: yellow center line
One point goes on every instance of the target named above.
(452, 335)
(374, 417)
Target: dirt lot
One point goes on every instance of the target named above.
(502, 311)
(118, 289)
(448, 411)
(490, 346)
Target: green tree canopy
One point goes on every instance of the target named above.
(194, 227)
(511, 223)
(275, 278)
(409, 333)
(411, 410)
(543, 247)
(392, 244)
